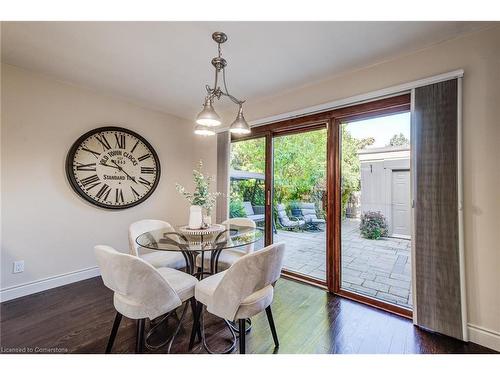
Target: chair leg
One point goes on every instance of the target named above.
(114, 330)
(139, 345)
(242, 332)
(271, 324)
(196, 322)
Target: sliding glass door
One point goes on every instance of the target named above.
(247, 182)
(299, 201)
(375, 217)
(335, 187)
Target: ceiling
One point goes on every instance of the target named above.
(165, 65)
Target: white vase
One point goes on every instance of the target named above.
(195, 217)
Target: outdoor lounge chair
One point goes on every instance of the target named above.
(308, 213)
(255, 213)
(286, 222)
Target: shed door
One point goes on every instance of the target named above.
(401, 211)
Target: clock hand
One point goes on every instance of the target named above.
(122, 170)
(110, 166)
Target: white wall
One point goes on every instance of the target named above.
(479, 55)
(44, 222)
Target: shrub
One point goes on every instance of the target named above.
(294, 208)
(236, 209)
(373, 225)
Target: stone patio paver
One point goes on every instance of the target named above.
(377, 268)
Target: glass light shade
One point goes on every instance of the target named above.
(240, 126)
(203, 130)
(208, 116)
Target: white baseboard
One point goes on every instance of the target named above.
(483, 336)
(25, 289)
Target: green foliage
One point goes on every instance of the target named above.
(350, 168)
(249, 191)
(299, 167)
(236, 208)
(249, 155)
(373, 225)
(399, 140)
(201, 195)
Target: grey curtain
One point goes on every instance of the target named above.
(436, 237)
(223, 155)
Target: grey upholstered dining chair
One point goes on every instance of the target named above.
(240, 292)
(228, 256)
(141, 291)
(172, 259)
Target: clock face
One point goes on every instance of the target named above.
(113, 168)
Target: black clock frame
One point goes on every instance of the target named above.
(74, 184)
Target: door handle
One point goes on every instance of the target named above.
(268, 197)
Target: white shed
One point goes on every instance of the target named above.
(385, 186)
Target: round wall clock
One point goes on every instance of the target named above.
(113, 167)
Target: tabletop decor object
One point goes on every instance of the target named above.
(200, 199)
(201, 235)
(113, 167)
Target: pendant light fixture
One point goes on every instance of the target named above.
(207, 120)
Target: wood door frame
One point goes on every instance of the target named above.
(279, 129)
(332, 120)
(379, 108)
(268, 171)
(299, 127)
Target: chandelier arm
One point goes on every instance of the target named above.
(216, 78)
(234, 99)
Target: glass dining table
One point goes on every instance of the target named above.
(207, 243)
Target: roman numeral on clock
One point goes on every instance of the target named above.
(144, 157)
(104, 142)
(85, 167)
(136, 194)
(120, 140)
(95, 153)
(119, 195)
(148, 170)
(103, 192)
(90, 180)
(144, 182)
(133, 148)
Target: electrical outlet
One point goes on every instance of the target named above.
(18, 266)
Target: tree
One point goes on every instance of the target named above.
(249, 155)
(299, 166)
(399, 140)
(350, 167)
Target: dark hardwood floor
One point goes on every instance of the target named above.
(77, 318)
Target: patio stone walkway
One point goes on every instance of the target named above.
(376, 268)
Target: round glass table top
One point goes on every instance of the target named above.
(228, 236)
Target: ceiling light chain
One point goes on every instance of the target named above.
(208, 119)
